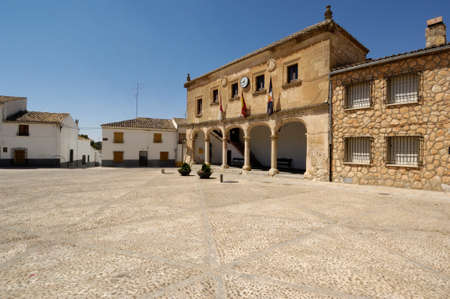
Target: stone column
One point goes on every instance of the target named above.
(247, 165)
(273, 155)
(224, 152)
(207, 150)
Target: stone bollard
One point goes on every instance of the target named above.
(163, 171)
(221, 178)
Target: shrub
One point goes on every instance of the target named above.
(205, 172)
(185, 169)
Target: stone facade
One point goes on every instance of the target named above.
(428, 118)
(316, 50)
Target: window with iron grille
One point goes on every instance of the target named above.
(260, 82)
(403, 89)
(157, 138)
(234, 90)
(357, 150)
(404, 150)
(358, 95)
(118, 137)
(292, 73)
(215, 96)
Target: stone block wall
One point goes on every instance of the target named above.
(428, 118)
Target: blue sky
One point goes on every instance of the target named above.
(85, 57)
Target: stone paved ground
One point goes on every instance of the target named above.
(138, 233)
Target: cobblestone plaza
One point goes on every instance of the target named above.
(139, 233)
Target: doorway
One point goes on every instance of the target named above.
(19, 157)
(143, 158)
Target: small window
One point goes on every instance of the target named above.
(164, 156)
(403, 89)
(357, 150)
(260, 83)
(292, 73)
(118, 157)
(199, 106)
(215, 96)
(181, 138)
(5, 149)
(23, 130)
(358, 95)
(403, 150)
(234, 90)
(118, 137)
(157, 138)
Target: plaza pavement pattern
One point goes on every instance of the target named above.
(138, 233)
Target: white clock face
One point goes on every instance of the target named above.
(244, 82)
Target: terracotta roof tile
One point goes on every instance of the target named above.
(142, 123)
(38, 117)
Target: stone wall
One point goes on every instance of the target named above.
(428, 118)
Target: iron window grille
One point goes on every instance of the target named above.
(403, 89)
(358, 95)
(358, 150)
(23, 130)
(404, 150)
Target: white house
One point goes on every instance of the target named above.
(87, 155)
(142, 142)
(36, 139)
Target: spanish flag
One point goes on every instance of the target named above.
(270, 99)
(243, 106)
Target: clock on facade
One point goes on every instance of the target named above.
(244, 82)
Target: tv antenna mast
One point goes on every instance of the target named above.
(138, 87)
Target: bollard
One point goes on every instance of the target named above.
(163, 171)
(221, 178)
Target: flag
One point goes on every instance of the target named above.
(243, 106)
(220, 108)
(270, 99)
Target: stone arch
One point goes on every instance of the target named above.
(235, 134)
(292, 144)
(215, 136)
(260, 145)
(253, 125)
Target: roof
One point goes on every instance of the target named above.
(142, 123)
(327, 25)
(38, 117)
(4, 99)
(385, 59)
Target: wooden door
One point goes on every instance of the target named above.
(19, 157)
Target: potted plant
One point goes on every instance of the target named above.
(185, 169)
(205, 172)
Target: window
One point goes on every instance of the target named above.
(157, 138)
(403, 89)
(357, 150)
(118, 157)
(403, 150)
(5, 149)
(199, 106)
(181, 138)
(259, 83)
(23, 130)
(118, 137)
(358, 95)
(234, 90)
(71, 156)
(164, 156)
(292, 73)
(215, 96)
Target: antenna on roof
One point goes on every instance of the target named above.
(137, 97)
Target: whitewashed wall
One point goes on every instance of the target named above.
(68, 139)
(42, 142)
(136, 140)
(12, 107)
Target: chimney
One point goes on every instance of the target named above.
(76, 122)
(435, 33)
